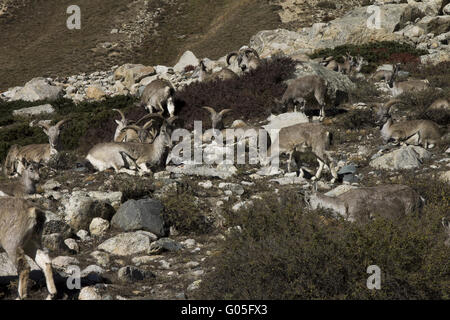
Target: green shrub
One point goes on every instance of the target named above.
(326, 5)
(375, 53)
(418, 102)
(133, 188)
(286, 252)
(183, 211)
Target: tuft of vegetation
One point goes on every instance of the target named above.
(418, 102)
(364, 92)
(437, 74)
(375, 53)
(91, 123)
(326, 5)
(250, 97)
(133, 188)
(356, 119)
(287, 252)
(184, 211)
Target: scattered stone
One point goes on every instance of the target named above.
(407, 157)
(132, 274)
(72, 245)
(194, 285)
(187, 59)
(37, 89)
(54, 242)
(165, 244)
(95, 93)
(34, 111)
(89, 293)
(83, 235)
(125, 244)
(98, 227)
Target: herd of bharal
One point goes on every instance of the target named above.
(138, 146)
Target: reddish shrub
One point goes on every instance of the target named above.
(250, 97)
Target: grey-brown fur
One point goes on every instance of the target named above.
(424, 132)
(26, 185)
(209, 75)
(388, 201)
(217, 117)
(298, 89)
(21, 226)
(440, 104)
(247, 59)
(302, 137)
(157, 94)
(37, 153)
(399, 87)
(117, 155)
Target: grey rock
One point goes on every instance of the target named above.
(145, 214)
(80, 209)
(125, 244)
(348, 169)
(33, 111)
(38, 89)
(132, 274)
(188, 58)
(165, 244)
(54, 242)
(407, 157)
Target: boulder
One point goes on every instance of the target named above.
(144, 214)
(119, 73)
(446, 9)
(98, 227)
(435, 25)
(136, 74)
(349, 29)
(165, 244)
(95, 93)
(38, 89)
(407, 157)
(80, 209)
(187, 59)
(132, 274)
(436, 56)
(34, 111)
(89, 293)
(338, 84)
(125, 244)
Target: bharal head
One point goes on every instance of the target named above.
(217, 117)
(53, 132)
(383, 112)
(123, 122)
(31, 171)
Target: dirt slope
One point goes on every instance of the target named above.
(36, 42)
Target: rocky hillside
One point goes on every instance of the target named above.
(228, 230)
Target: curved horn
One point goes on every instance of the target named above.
(60, 123)
(43, 125)
(121, 114)
(145, 117)
(148, 124)
(171, 120)
(234, 53)
(252, 51)
(132, 127)
(222, 112)
(211, 110)
(391, 102)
